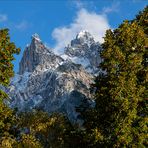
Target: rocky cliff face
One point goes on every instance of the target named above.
(37, 55)
(56, 83)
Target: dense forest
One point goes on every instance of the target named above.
(119, 118)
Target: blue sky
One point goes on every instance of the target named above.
(58, 21)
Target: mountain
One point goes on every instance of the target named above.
(53, 82)
(85, 51)
(37, 57)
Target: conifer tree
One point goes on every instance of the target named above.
(51, 131)
(7, 51)
(7, 117)
(9, 121)
(120, 115)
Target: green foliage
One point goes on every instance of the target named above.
(7, 51)
(51, 131)
(9, 121)
(27, 141)
(7, 116)
(142, 19)
(119, 118)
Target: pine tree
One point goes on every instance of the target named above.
(51, 131)
(7, 51)
(9, 121)
(142, 109)
(119, 117)
(7, 117)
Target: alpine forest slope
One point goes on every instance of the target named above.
(92, 95)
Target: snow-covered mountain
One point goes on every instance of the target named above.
(56, 83)
(84, 50)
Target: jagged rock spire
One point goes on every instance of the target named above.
(84, 50)
(36, 37)
(84, 34)
(83, 37)
(37, 56)
(30, 57)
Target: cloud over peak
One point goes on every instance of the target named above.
(95, 23)
(113, 8)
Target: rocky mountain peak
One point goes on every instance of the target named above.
(85, 51)
(36, 37)
(53, 82)
(84, 34)
(83, 38)
(37, 57)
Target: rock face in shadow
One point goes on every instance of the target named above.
(52, 83)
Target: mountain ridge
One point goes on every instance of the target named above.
(52, 82)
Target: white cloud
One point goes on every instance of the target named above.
(78, 4)
(3, 17)
(95, 23)
(112, 8)
(23, 25)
